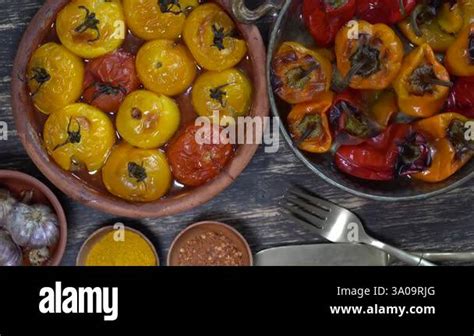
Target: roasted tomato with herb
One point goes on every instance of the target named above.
(55, 77)
(228, 93)
(147, 120)
(212, 38)
(423, 83)
(91, 28)
(195, 157)
(79, 136)
(165, 67)
(451, 149)
(157, 19)
(368, 56)
(309, 125)
(137, 175)
(109, 79)
(300, 74)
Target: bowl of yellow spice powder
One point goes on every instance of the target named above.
(117, 246)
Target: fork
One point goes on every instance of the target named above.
(339, 225)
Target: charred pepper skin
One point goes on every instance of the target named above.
(309, 125)
(376, 158)
(459, 58)
(324, 18)
(423, 84)
(368, 56)
(435, 23)
(300, 74)
(349, 119)
(398, 151)
(450, 149)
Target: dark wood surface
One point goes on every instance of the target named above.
(443, 223)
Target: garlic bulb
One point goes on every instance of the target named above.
(6, 205)
(10, 253)
(33, 226)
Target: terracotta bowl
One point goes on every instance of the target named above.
(29, 129)
(17, 183)
(97, 235)
(203, 227)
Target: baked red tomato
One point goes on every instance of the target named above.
(109, 79)
(193, 163)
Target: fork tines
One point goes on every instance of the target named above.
(306, 209)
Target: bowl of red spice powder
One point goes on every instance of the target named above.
(210, 244)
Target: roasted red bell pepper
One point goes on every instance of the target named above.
(461, 98)
(397, 151)
(324, 18)
(384, 11)
(347, 118)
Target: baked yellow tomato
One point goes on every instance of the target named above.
(138, 175)
(228, 92)
(91, 28)
(157, 19)
(165, 67)
(210, 34)
(148, 120)
(55, 77)
(79, 136)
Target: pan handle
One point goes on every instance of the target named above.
(245, 15)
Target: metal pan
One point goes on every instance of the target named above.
(288, 26)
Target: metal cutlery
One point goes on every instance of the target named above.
(328, 254)
(339, 225)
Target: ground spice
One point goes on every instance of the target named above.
(210, 249)
(133, 250)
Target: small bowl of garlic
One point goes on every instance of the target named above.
(33, 228)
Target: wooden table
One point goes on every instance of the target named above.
(442, 223)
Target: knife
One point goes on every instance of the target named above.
(341, 255)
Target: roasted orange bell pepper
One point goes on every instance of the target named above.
(368, 56)
(435, 23)
(423, 83)
(300, 74)
(383, 107)
(451, 150)
(309, 125)
(460, 55)
(467, 10)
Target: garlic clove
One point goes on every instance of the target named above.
(10, 253)
(6, 205)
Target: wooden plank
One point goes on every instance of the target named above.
(251, 203)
